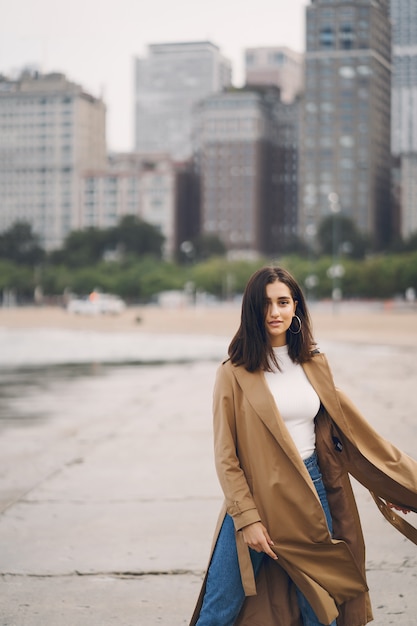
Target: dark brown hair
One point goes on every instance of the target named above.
(251, 346)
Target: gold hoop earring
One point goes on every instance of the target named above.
(295, 332)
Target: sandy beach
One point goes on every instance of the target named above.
(350, 322)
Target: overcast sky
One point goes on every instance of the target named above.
(94, 42)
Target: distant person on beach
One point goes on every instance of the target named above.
(289, 549)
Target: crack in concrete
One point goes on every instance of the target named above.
(21, 496)
(391, 567)
(113, 574)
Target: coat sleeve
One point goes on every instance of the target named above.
(239, 501)
(391, 462)
(388, 473)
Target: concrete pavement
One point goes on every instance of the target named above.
(109, 495)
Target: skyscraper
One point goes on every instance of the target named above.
(50, 131)
(346, 123)
(239, 161)
(170, 82)
(404, 106)
(277, 66)
(284, 68)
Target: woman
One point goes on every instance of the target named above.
(285, 441)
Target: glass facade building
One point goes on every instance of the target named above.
(347, 115)
(169, 83)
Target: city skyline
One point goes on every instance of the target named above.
(95, 44)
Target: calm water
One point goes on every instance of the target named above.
(38, 367)
(42, 347)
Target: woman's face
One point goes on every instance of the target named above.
(280, 309)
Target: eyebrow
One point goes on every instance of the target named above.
(278, 298)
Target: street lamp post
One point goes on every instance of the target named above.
(311, 280)
(336, 271)
(187, 248)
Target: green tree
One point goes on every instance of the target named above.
(206, 246)
(350, 241)
(131, 236)
(81, 248)
(134, 236)
(55, 279)
(19, 278)
(20, 245)
(157, 277)
(223, 278)
(410, 244)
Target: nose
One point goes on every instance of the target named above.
(274, 309)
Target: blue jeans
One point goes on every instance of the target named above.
(224, 595)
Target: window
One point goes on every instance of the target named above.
(250, 58)
(346, 36)
(277, 58)
(326, 142)
(327, 107)
(363, 70)
(326, 37)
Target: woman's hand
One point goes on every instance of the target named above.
(398, 508)
(256, 537)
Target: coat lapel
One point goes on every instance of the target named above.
(320, 376)
(256, 390)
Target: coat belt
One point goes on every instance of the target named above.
(245, 565)
(398, 522)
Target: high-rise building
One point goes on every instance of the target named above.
(50, 132)
(277, 66)
(283, 68)
(346, 121)
(169, 83)
(240, 163)
(131, 184)
(151, 187)
(404, 107)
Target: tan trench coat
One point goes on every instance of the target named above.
(264, 478)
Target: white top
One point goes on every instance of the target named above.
(296, 400)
